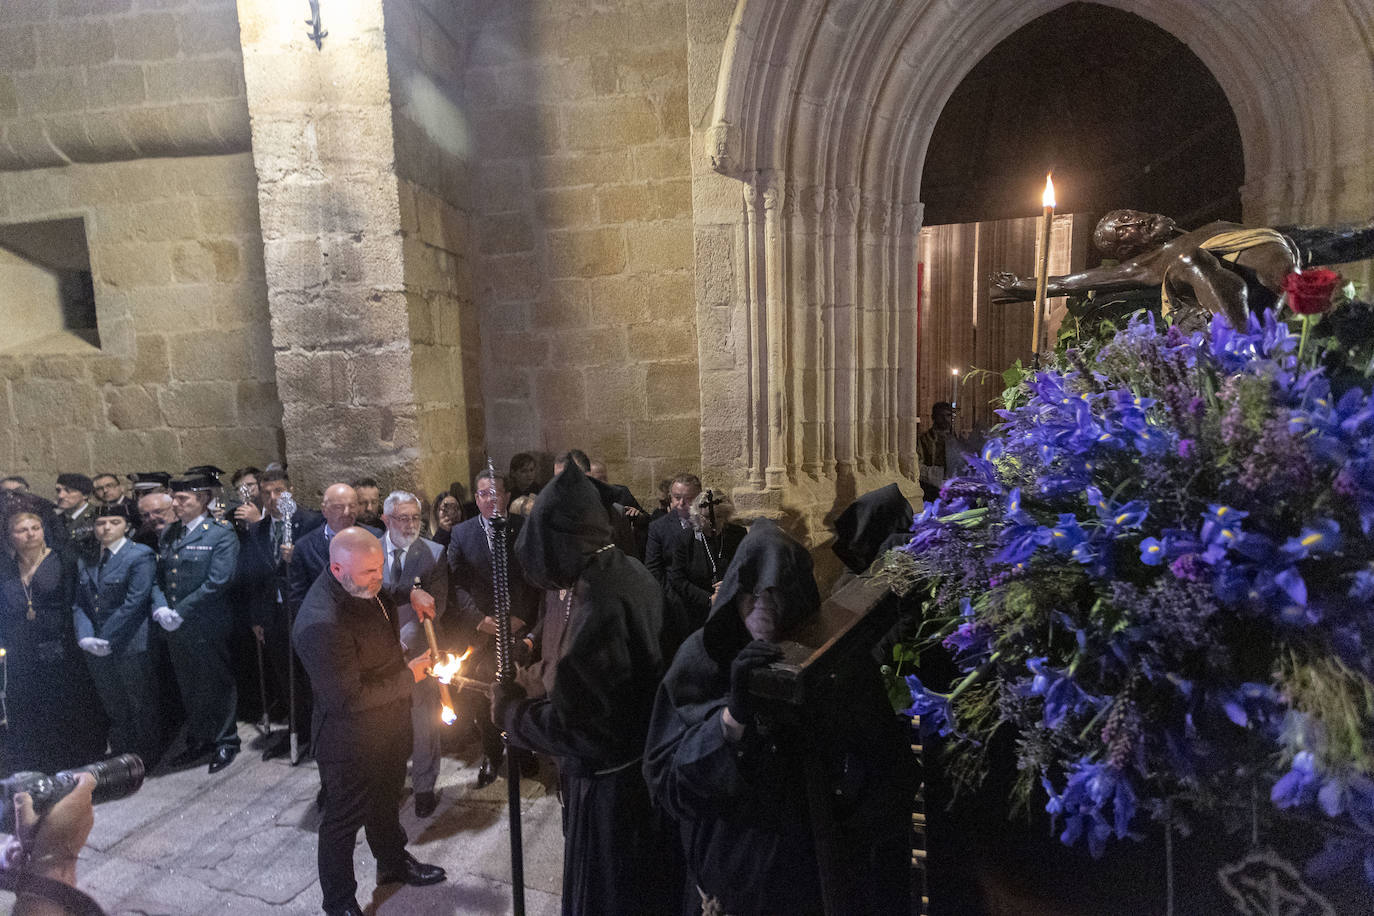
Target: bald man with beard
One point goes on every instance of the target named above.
(309, 561)
(348, 639)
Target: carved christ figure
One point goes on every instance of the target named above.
(1226, 268)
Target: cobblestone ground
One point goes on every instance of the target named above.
(243, 842)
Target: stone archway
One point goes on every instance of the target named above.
(807, 166)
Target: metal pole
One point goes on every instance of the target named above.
(505, 674)
(265, 727)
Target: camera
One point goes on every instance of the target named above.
(118, 777)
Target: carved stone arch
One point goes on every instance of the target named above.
(831, 105)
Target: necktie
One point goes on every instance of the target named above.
(104, 558)
(276, 536)
(396, 556)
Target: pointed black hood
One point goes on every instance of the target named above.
(567, 526)
(766, 558)
(870, 520)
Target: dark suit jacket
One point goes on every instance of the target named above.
(351, 651)
(115, 603)
(195, 572)
(691, 575)
(424, 561)
(469, 566)
(664, 532)
(261, 574)
(308, 560)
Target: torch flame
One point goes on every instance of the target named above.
(1048, 199)
(448, 715)
(448, 669)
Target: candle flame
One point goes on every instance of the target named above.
(448, 669)
(1048, 199)
(955, 371)
(448, 715)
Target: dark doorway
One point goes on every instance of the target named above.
(1122, 111)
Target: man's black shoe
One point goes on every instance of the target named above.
(425, 803)
(190, 755)
(351, 910)
(412, 872)
(223, 757)
(488, 771)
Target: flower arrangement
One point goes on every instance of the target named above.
(1158, 578)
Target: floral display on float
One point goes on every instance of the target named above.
(1159, 578)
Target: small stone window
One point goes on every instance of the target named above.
(47, 299)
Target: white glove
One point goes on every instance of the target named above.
(95, 646)
(167, 618)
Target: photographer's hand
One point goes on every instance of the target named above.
(51, 844)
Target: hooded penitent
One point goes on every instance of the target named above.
(603, 642)
(864, 528)
(741, 806)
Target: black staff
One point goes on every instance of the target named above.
(505, 674)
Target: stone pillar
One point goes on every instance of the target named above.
(333, 247)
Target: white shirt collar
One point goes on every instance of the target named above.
(115, 547)
(78, 510)
(195, 522)
(391, 548)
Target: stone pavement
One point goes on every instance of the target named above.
(242, 842)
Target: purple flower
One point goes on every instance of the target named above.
(1188, 567)
(1063, 697)
(1151, 552)
(1098, 801)
(1187, 448)
(1299, 785)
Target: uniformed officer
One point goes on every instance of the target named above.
(196, 559)
(113, 600)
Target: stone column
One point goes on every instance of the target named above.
(331, 226)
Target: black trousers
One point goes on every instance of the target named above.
(205, 674)
(365, 792)
(127, 691)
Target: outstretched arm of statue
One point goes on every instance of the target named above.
(1137, 273)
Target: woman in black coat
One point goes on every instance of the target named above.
(55, 717)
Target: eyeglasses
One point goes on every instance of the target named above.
(407, 519)
(489, 494)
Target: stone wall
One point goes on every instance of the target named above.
(184, 373)
(98, 80)
(582, 192)
(425, 60)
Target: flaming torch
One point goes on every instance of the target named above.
(1042, 273)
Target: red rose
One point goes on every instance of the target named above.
(1309, 292)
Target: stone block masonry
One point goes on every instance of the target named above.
(184, 371)
(585, 263)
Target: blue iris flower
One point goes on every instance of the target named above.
(933, 708)
(1322, 536)
(1252, 703)
(1299, 785)
(1362, 585)
(1098, 802)
(1063, 696)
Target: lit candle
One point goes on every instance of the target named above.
(954, 389)
(1042, 273)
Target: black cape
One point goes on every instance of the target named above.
(741, 807)
(865, 528)
(607, 665)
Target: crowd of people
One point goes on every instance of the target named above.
(154, 619)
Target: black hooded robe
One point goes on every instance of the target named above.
(607, 662)
(741, 807)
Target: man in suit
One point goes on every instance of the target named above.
(112, 607)
(665, 530)
(469, 566)
(416, 581)
(310, 559)
(264, 558)
(347, 636)
(76, 512)
(110, 492)
(197, 555)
